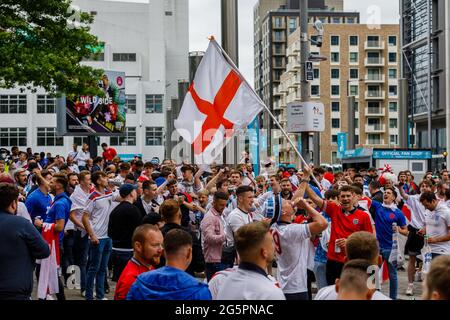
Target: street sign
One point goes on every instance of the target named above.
(305, 117)
(342, 144)
(309, 71)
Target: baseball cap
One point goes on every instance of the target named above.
(126, 189)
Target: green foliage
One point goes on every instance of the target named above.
(42, 43)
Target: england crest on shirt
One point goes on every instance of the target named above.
(355, 221)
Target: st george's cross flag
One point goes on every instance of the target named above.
(218, 103)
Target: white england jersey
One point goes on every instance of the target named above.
(292, 251)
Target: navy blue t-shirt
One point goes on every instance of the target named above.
(384, 219)
(37, 204)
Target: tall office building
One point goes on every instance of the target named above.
(361, 62)
(150, 43)
(425, 64)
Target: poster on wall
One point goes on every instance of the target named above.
(92, 115)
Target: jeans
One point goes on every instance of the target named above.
(119, 261)
(212, 268)
(393, 281)
(68, 258)
(80, 256)
(320, 271)
(98, 262)
(297, 296)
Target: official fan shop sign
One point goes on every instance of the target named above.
(305, 117)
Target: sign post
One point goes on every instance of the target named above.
(305, 117)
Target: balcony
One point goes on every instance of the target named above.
(374, 45)
(375, 95)
(276, 90)
(375, 128)
(375, 142)
(375, 112)
(375, 78)
(297, 80)
(293, 65)
(279, 38)
(374, 62)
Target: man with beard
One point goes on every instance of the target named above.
(58, 214)
(73, 182)
(147, 250)
(286, 189)
(20, 176)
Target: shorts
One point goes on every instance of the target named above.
(414, 243)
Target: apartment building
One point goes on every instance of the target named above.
(361, 62)
(274, 24)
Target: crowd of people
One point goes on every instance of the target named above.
(180, 231)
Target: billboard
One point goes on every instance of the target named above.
(87, 115)
(305, 117)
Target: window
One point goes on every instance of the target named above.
(392, 91)
(393, 123)
(279, 36)
(313, 40)
(46, 137)
(334, 40)
(336, 20)
(334, 158)
(354, 74)
(350, 20)
(353, 57)
(335, 57)
(392, 73)
(334, 138)
(356, 123)
(153, 103)
(356, 138)
(356, 107)
(128, 139)
(153, 136)
(124, 57)
(392, 106)
(393, 139)
(315, 90)
(334, 73)
(292, 25)
(13, 103)
(131, 103)
(316, 74)
(45, 104)
(392, 57)
(335, 106)
(13, 137)
(373, 139)
(335, 123)
(353, 40)
(392, 41)
(354, 91)
(79, 141)
(279, 62)
(278, 22)
(168, 13)
(334, 90)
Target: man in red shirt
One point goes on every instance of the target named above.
(345, 220)
(148, 248)
(108, 153)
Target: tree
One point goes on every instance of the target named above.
(42, 43)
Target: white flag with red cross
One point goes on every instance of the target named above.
(218, 103)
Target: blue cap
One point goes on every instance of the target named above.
(126, 189)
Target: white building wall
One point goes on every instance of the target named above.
(161, 44)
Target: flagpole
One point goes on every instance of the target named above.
(230, 61)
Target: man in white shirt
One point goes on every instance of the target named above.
(416, 229)
(359, 245)
(79, 198)
(240, 216)
(254, 245)
(291, 246)
(83, 156)
(74, 152)
(95, 220)
(437, 224)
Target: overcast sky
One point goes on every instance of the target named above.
(204, 20)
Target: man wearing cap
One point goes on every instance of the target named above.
(292, 176)
(371, 176)
(124, 219)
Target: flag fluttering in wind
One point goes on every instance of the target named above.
(218, 103)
